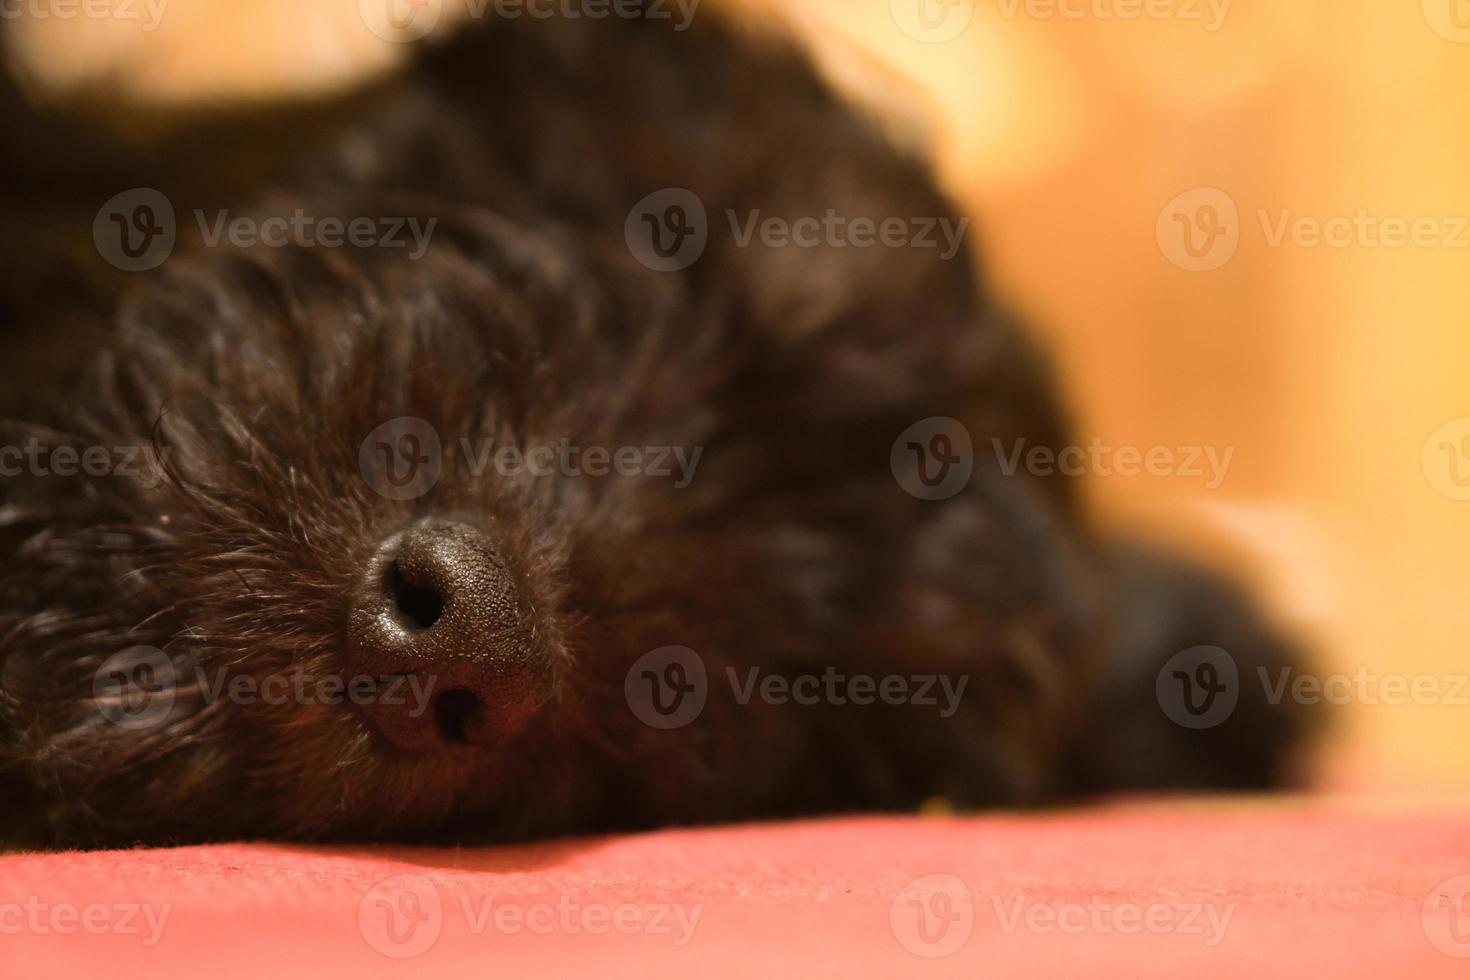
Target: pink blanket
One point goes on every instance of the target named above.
(1206, 889)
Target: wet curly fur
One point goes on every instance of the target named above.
(255, 374)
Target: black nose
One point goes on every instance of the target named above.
(441, 623)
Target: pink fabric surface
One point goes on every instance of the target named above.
(1209, 889)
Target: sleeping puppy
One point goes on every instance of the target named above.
(467, 457)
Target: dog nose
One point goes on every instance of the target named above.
(442, 625)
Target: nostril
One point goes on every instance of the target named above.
(438, 603)
(416, 607)
(459, 714)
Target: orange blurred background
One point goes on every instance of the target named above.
(1087, 142)
(1330, 370)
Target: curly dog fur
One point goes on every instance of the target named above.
(251, 377)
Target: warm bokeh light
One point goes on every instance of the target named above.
(1325, 368)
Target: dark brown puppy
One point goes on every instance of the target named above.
(493, 639)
